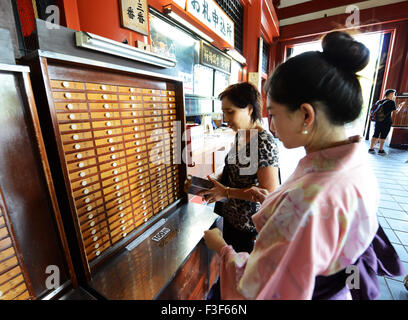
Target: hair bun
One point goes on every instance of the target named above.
(341, 50)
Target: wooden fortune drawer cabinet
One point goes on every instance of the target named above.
(115, 147)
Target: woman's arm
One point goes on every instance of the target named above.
(267, 177)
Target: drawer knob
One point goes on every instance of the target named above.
(82, 174)
(98, 253)
(117, 187)
(67, 95)
(120, 201)
(134, 120)
(136, 136)
(70, 106)
(87, 200)
(106, 106)
(133, 106)
(115, 171)
(108, 123)
(121, 215)
(110, 140)
(105, 96)
(74, 127)
(123, 228)
(89, 208)
(103, 87)
(120, 208)
(109, 132)
(114, 164)
(112, 149)
(65, 84)
(124, 234)
(118, 194)
(90, 216)
(95, 238)
(86, 191)
(79, 155)
(83, 183)
(107, 114)
(92, 224)
(122, 221)
(81, 164)
(97, 246)
(93, 231)
(75, 137)
(72, 116)
(116, 179)
(113, 156)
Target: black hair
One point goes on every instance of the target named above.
(244, 94)
(388, 91)
(327, 77)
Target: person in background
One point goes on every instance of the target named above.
(383, 127)
(324, 217)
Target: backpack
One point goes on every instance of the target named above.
(377, 111)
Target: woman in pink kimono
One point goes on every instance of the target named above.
(323, 219)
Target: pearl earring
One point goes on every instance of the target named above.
(305, 131)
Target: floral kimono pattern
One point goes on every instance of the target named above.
(317, 223)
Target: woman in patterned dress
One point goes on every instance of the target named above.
(323, 218)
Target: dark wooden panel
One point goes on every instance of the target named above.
(25, 185)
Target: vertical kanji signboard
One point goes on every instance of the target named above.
(133, 15)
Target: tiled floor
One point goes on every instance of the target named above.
(392, 174)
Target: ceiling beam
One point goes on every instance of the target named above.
(311, 6)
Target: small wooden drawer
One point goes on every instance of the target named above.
(96, 216)
(168, 99)
(84, 182)
(73, 137)
(140, 212)
(85, 191)
(119, 237)
(110, 149)
(121, 209)
(5, 243)
(154, 138)
(134, 136)
(107, 124)
(153, 119)
(116, 220)
(158, 169)
(130, 122)
(140, 220)
(126, 97)
(3, 232)
(96, 253)
(83, 174)
(60, 95)
(151, 99)
(131, 113)
(105, 115)
(133, 129)
(123, 229)
(9, 274)
(139, 177)
(152, 113)
(135, 150)
(168, 92)
(102, 96)
(2, 221)
(114, 180)
(151, 91)
(113, 156)
(90, 207)
(81, 164)
(159, 183)
(116, 194)
(87, 199)
(62, 84)
(70, 127)
(115, 187)
(159, 203)
(108, 141)
(92, 240)
(7, 253)
(99, 230)
(9, 263)
(106, 107)
(135, 143)
(100, 87)
(136, 181)
(169, 118)
(68, 107)
(72, 116)
(13, 288)
(118, 201)
(78, 146)
(129, 89)
(173, 181)
(95, 222)
(133, 106)
(169, 112)
(151, 126)
(137, 164)
(114, 171)
(156, 106)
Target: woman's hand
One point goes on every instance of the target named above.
(257, 194)
(214, 240)
(216, 193)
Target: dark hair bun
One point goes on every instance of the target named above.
(341, 50)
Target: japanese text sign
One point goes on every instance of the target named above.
(134, 15)
(211, 15)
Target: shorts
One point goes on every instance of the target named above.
(382, 129)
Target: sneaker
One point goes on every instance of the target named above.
(382, 152)
(371, 151)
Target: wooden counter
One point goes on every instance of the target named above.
(153, 269)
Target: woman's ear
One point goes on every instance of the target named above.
(308, 114)
(250, 109)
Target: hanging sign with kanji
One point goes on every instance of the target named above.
(210, 14)
(133, 15)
